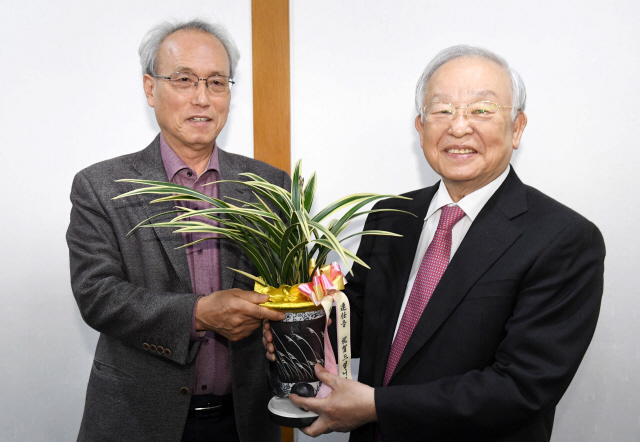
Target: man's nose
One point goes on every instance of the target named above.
(460, 126)
(201, 96)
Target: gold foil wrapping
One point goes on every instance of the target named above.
(327, 279)
(285, 297)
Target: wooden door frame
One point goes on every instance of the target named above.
(271, 77)
(271, 91)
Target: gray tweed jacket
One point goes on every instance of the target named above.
(136, 291)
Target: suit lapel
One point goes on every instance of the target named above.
(490, 235)
(229, 170)
(401, 256)
(150, 167)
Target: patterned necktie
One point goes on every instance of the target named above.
(433, 265)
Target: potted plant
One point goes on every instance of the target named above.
(289, 248)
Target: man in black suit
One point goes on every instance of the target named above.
(480, 344)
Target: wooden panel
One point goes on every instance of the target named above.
(271, 96)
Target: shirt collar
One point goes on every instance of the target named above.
(173, 163)
(471, 204)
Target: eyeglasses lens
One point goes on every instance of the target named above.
(445, 112)
(215, 84)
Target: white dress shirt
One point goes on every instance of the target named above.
(471, 204)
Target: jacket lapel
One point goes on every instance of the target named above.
(401, 256)
(150, 167)
(490, 235)
(229, 170)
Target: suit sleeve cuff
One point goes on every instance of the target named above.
(196, 335)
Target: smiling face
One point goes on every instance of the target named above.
(469, 155)
(189, 121)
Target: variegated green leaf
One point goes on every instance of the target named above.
(309, 192)
(279, 245)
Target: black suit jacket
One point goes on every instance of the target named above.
(136, 291)
(504, 332)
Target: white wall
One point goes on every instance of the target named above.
(354, 69)
(71, 95)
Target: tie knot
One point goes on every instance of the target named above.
(449, 217)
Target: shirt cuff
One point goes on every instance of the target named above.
(196, 335)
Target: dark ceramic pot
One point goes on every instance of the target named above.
(299, 344)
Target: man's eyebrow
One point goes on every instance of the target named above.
(188, 70)
(484, 93)
(480, 93)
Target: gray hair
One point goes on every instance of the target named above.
(518, 91)
(153, 39)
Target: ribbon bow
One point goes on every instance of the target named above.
(327, 280)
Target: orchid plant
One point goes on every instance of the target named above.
(280, 245)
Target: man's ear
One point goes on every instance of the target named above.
(419, 127)
(518, 127)
(149, 85)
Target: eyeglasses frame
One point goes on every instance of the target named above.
(455, 110)
(231, 82)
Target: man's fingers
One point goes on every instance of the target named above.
(267, 339)
(307, 404)
(257, 311)
(268, 346)
(267, 313)
(299, 401)
(326, 376)
(317, 428)
(266, 331)
(233, 313)
(271, 354)
(260, 313)
(253, 297)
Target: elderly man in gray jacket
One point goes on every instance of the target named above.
(179, 355)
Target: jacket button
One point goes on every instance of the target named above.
(160, 350)
(153, 348)
(145, 346)
(184, 391)
(167, 352)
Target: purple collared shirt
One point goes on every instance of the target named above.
(213, 370)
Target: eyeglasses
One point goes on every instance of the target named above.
(479, 111)
(186, 82)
